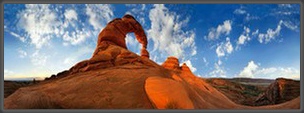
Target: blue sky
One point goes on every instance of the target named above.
(215, 40)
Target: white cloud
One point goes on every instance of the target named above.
(38, 59)
(290, 25)
(22, 53)
(239, 11)
(254, 70)
(167, 33)
(249, 70)
(242, 39)
(228, 46)
(256, 32)
(270, 35)
(75, 37)
(224, 48)
(215, 33)
(276, 72)
(21, 38)
(189, 64)
(39, 23)
(42, 23)
(99, 15)
(244, 36)
(218, 71)
(219, 62)
(70, 14)
(155, 58)
(220, 51)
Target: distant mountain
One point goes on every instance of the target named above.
(257, 92)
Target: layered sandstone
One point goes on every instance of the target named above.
(171, 63)
(116, 30)
(282, 90)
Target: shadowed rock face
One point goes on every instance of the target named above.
(280, 91)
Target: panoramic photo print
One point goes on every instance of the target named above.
(152, 56)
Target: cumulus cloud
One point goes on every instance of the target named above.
(167, 32)
(244, 37)
(224, 48)
(223, 29)
(99, 15)
(254, 70)
(276, 72)
(249, 70)
(270, 35)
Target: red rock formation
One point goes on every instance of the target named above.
(110, 55)
(116, 31)
(282, 90)
(184, 67)
(114, 34)
(171, 63)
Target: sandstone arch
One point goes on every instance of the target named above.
(116, 31)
